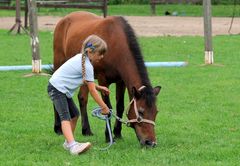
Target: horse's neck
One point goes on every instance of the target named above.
(130, 75)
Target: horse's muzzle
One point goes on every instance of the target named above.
(148, 143)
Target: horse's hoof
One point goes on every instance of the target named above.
(107, 140)
(58, 130)
(117, 137)
(87, 132)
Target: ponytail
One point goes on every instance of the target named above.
(84, 68)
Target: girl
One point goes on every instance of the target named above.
(74, 73)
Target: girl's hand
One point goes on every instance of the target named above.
(105, 110)
(104, 90)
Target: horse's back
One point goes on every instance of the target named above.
(85, 23)
(64, 30)
(71, 31)
(74, 16)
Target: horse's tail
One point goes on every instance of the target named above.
(59, 42)
(49, 70)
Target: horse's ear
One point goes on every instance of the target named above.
(156, 90)
(136, 93)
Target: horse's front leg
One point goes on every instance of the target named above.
(120, 90)
(106, 99)
(83, 99)
(102, 81)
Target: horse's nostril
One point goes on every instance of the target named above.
(150, 143)
(147, 142)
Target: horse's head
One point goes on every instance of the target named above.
(142, 114)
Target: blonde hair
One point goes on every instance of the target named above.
(96, 44)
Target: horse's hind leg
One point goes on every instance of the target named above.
(83, 99)
(120, 90)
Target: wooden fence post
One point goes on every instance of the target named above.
(105, 8)
(33, 25)
(208, 31)
(18, 23)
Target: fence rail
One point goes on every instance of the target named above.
(153, 3)
(85, 4)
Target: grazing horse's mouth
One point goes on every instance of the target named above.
(146, 142)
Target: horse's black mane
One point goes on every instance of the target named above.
(137, 54)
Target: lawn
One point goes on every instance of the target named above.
(198, 122)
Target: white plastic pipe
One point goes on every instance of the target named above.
(23, 67)
(165, 64)
(49, 66)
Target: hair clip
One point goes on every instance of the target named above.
(89, 44)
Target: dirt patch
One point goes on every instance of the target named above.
(152, 26)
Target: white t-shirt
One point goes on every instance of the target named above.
(68, 77)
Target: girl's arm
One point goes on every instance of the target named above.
(103, 89)
(94, 93)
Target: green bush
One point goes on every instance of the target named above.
(118, 2)
(223, 2)
(214, 2)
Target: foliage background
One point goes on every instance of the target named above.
(215, 2)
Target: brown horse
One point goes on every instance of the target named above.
(123, 64)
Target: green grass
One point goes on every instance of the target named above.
(198, 122)
(18, 46)
(142, 10)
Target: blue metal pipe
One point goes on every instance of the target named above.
(49, 66)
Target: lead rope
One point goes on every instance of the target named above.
(97, 113)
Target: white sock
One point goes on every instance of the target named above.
(70, 144)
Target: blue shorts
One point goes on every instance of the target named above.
(64, 106)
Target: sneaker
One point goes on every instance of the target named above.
(79, 148)
(65, 146)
